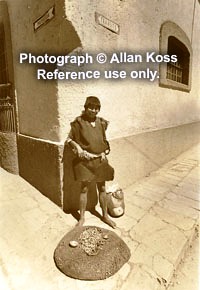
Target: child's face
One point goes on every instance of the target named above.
(92, 111)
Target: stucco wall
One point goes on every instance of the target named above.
(40, 164)
(8, 152)
(141, 105)
(37, 100)
(132, 106)
(136, 156)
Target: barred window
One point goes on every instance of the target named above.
(178, 71)
(7, 112)
(174, 41)
(4, 90)
(175, 72)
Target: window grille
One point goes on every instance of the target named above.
(174, 41)
(178, 71)
(7, 116)
(175, 72)
(7, 112)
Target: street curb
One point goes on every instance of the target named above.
(194, 233)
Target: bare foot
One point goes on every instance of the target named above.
(80, 222)
(108, 221)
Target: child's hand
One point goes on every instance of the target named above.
(103, 156)
(80, 152)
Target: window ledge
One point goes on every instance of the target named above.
(170, 84)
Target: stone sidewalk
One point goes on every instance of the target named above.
(160, 222)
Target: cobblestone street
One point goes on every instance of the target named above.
(159, 225)
(188, 272)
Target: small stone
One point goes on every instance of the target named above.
(73, 244)
(105, 237)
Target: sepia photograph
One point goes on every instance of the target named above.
(99, 144)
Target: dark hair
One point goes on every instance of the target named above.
(92, 100)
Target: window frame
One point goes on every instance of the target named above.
(171, 29)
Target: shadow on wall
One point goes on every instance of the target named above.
(71, 187)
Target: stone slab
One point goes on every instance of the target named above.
(157, 235)
(140, 280)
(186, 201)
(179, 207)
(177, 219)
(187, 193)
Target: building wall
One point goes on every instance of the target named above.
(39, 163)
(149, 124)
(143, 105)
(52, 105)
(136, 156)
(8, 152)
(37, 100)
(142, 114)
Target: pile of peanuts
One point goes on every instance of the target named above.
(91, 241)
